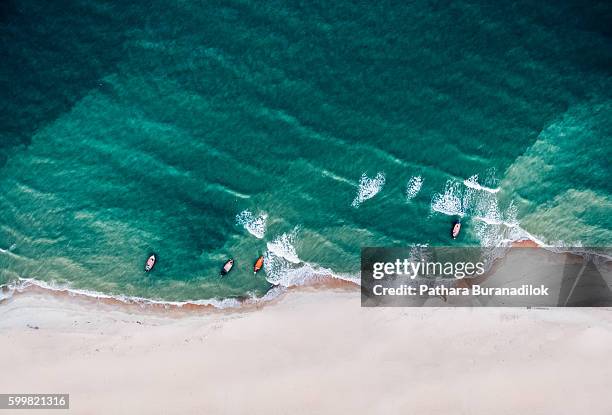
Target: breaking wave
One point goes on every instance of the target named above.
(449, 202)
(414, 187)
(494, 224)
(255, 225)
(284, 268)
(472, 182)
(368, 188)
(285, 274)
(283, 246)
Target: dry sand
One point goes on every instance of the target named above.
(311, 352)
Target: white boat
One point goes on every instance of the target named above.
(150, 263)
(227, 267)
(456, 229)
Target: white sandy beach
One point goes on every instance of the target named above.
(311, 352)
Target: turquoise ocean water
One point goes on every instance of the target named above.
(301, 131)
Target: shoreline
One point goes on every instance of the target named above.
(208, 305)
(145, 305)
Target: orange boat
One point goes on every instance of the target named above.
(258, 264)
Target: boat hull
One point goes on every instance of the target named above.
(227, 267)
(455, 230)
(258, 264)
(150, 263)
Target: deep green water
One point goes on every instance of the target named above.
(128, 128)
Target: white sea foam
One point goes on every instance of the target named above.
(449, 201)
(492, 216)
(255, 225)
(24, 283)
(511, 215)
(472, 182)
(486, 207)
(414, 187)
(283, 246)
(299, 276)
(368, 188)
(283, 273)
(284, 268)
(494, 225)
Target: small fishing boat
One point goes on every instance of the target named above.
(227, 267)
(150, 263)
(258, 264)
(456, 229)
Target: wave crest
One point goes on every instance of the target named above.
(413, 187)
(449, 202)
(472, 182)
(283, 246)
(255, 225)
